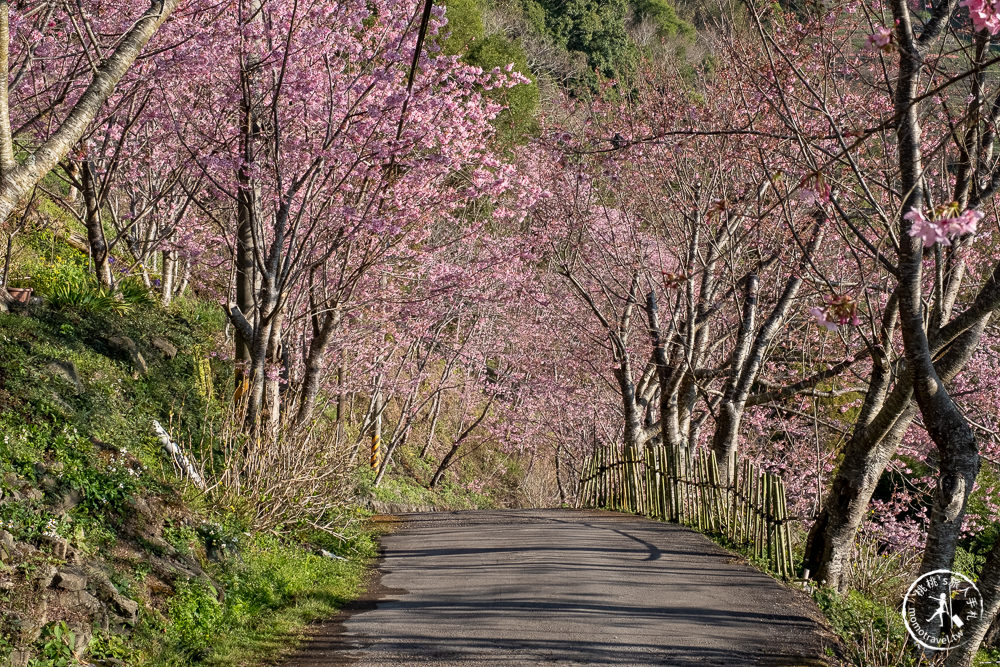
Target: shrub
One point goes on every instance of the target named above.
(58, 647)
(872, 631)
(665, 17)
(194, 612)
(518, 119)
(465, 26)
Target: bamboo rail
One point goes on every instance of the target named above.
(685, 487)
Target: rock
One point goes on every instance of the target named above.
(70, 579)
(39, 468)
(64, 408)
(26, 626)
(127, 348)
(6, 544)
(34, 494)
(86, 603)
(19, 658)
(83, 633)
(66, 370)
(48, 484)
(66, 501)
(59, 545)
(45, 576)
(56, 467)
(127, 609)
(166, 348)
(8, 549)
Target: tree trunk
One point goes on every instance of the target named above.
(247, 211)
(167, 277)
(19, 180)
(435, 411)
(831, 538)
(95, 226)
(450, 456)
(315, 364)
(975, 631)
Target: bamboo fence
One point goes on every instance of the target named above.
(677, 485)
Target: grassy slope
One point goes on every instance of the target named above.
(132, 516)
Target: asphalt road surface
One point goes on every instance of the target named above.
(566, 587)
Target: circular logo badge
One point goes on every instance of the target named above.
(938, 607)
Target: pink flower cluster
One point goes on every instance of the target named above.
(881, 39)
(985, 14)
(839, 310)
(944, 224)
(814, 190)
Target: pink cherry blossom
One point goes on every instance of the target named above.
(881, 39)
(985, 15)
(944, 226)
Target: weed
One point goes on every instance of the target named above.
(109, 647)
(194, 611)
(58, 647)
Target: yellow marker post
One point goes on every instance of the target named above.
(376, 452)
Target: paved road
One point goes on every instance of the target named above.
(566, 587)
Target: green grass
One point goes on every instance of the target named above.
(274, 589)
(403, 490)
(260, 591)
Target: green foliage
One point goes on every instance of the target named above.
(85, 296)
(105, 480)
(133, 292)
(181, 536)
(273, 587)
(402, 489)
(194, 612)
(58, 644)
(95, 439)
(535, 14)
(6, 647)
(971, 554)
(465, 26)
(67, 284)
(664, 15)
(872, 630)
(111, 649)
(595, 28)
(521, 101)
(47, 277)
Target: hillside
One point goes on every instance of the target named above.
(107, 553)
(272, 269)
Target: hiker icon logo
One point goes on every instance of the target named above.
(938, 607)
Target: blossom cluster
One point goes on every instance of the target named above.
(838, 311)
(814, 190)
(985, 14)
(880, 40)
(945, 224)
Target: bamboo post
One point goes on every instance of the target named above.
(769, 520)
(734, 484)
(675, 484)
(759, 506)
(718, 504)
(706, 491)
(786, 535)
(679, 481)
(664, 484)
(603, 490)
